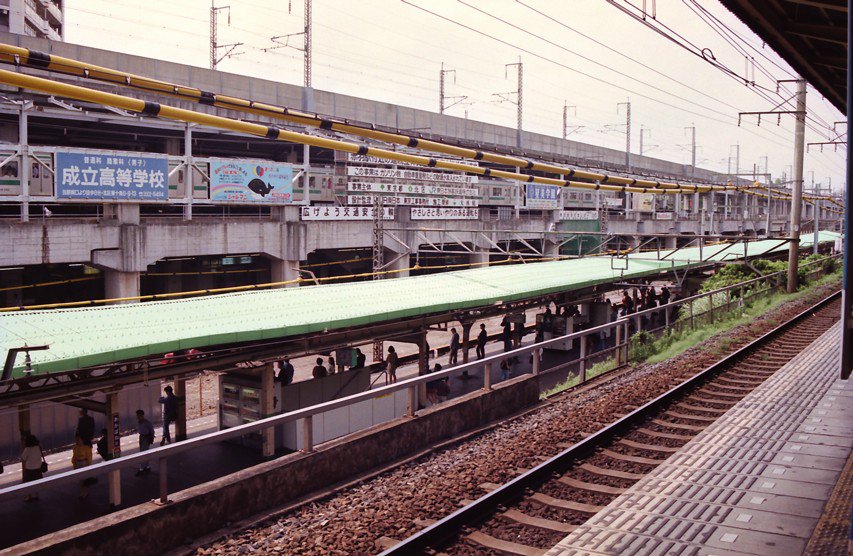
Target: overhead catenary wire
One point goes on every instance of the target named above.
(25, 57)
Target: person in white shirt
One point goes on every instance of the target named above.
(31, 460)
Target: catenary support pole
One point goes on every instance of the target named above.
(797, 186)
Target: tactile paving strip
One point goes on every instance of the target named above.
(754, 482)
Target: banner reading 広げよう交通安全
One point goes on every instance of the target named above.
(251, 181)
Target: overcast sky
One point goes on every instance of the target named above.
(389, 50)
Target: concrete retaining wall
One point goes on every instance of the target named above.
(152, 529)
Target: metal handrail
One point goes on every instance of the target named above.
(163, 452)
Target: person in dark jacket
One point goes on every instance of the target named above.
(285, 375)
(170, 412)
(506, 335)
(454, 347)
(85, 427)
(319, 371)
(482, 338)
(104, 446)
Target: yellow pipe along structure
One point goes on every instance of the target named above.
(40, 60)
(155, 109)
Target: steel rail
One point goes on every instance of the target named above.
(448, 527)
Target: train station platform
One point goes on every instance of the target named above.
(757, 481)
(60, 507)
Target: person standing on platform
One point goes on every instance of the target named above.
(85, 426)
(504, 369)
(332, 367)
(391, 363)
(104, 446)
(360, 359)
(81, 456)
(319, 371)
(664, 295)
(454, 347)
(31, 463)
(170, 413)
(506, 335)
(286, 372)
(482, 338)
(146, 439)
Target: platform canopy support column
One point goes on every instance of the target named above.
(24, 422)
(268, 408)
(181, 417)
(114, 446)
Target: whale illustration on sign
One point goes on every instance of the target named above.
(260, 187)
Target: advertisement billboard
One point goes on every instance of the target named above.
(242, 181)
(442, 213)
(540, 196)
(112, 177)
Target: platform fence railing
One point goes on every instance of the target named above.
(619, 329)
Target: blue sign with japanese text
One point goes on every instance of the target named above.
(112, 177)
(540, 196)
(251, 182)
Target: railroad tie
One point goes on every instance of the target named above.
(561, 504)
(504, 547)
(690, 428)
(745, 389)
(735, 397)
(704, 418)
(632, 459)
(538, 522)
(750, 383)
(612, 472)
(650, 447)
(671, 436)
(701, 399)
(592, 487)
(689, 407)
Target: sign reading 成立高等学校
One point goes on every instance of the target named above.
(114, 177)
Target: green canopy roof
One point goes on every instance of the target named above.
(88, 336)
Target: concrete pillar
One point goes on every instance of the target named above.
(479, 259)
(121, 284)
(466, 339)
(423, 367)
(401, 264)
(551, 249)
(181, 420)
(268, 408)
(125, 213)
(670, 242)
(284, 271)
(113, 427)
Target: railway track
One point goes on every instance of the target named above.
(532, 512)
